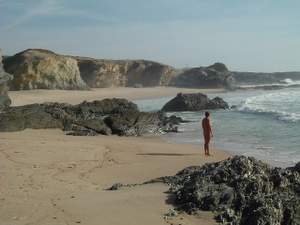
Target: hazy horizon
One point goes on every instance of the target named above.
(258, 36)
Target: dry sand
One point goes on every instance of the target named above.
(75, 97)
(50, 178)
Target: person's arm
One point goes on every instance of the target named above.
(210, 129)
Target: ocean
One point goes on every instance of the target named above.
(263, 123)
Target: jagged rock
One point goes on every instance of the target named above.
(115, 187)
(32, 116)
(109, 116)
(241, 190)
(175, 120)
(137, 123)
(43, 69)
(4, 79)
(193, 102)
(214, 76)
(123, 73)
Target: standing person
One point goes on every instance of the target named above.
(207, 132)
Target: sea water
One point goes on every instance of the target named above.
(263, 123)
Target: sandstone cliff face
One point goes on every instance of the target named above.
(4, 78)
(42, 69)
(124, 73)
(214, 76)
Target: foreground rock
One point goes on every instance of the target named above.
(124, 73)
(214, 76)
(43, 69)
(241, 190)
(4, 79)
(109, 116)
(193, 102)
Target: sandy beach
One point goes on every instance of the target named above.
(50, 178)
(75, 96)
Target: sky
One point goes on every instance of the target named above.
(246, 35)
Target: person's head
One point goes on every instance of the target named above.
(206, 114)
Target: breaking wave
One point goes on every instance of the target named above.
(282, 84)
(283, 105)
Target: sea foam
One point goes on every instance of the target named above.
(284, 105)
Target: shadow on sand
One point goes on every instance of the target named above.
(165, 154)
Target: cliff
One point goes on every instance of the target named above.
(4, 78)
(124, 73)
(43, 69)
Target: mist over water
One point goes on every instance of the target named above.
(263, 124)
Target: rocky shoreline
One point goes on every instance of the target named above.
(240, 190)
(108, 117)
(44, 69)
(115, 116)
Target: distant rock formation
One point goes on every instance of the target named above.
(108, 116)
(240, 190)
(214, 76)
(4, 79)
(193, 102)
(254, 78)
(43, 69)
(124, 73)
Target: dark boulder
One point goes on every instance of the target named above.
(241, 190)
(108, 116)
(32, 116)
(139, 123)
(193, 102)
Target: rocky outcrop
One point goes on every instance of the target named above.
(124, 73)
(193, 102)
(214, 76)
(109, 116)
(241, 190)
(4, 79)
(43, 69)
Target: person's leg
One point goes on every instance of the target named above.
(208, 149)
(204, 145)
(207, 140)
